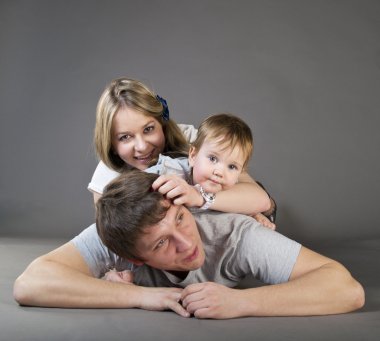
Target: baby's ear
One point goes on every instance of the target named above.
(192, 155)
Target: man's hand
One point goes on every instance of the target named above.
(151, 298)
(210, 300)
(162, 299)
(177, 189)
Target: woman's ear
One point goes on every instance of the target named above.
(192, 155)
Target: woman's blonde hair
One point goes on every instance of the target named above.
(125, 92)
(228, 131)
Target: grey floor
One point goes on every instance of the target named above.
(28, 323)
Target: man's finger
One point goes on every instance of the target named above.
(177, 308)
(190, 289)
(191, 298)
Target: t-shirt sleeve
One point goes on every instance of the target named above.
(97, 256)
(102, 176)
(268, 255)
(189, 131)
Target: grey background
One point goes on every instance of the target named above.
(304, 75)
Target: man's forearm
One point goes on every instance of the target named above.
(50, 284)
(329, 289)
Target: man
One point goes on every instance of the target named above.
(142, 227)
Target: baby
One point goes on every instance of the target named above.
(216, 160)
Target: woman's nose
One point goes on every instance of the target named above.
(140, 143)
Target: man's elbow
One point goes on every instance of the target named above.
(21, 291)
(353, 294)
(357, 296)
(26, 285)
(348, 291)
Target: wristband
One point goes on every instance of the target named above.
(209, 198)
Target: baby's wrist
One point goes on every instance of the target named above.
(207, 198)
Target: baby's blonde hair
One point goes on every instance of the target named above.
(228, 131)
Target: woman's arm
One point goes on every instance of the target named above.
(61, 278)
(102, 176)
(96, 196)
(317, 286)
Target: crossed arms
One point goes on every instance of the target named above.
(317, 286)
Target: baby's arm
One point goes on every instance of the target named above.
(246, 197)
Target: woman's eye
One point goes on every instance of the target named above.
(124, 138)
(148, 129)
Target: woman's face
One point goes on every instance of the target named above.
(136, 138)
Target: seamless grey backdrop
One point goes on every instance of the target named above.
(304, 75)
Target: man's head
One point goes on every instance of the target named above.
(221, 151)
(139, 224)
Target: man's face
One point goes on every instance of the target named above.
(174, 244)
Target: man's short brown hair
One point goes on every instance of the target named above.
(127, 207)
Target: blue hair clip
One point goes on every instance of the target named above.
(165, 111)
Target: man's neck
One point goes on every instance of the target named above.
(180, 274)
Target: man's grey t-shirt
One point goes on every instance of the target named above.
(235, 246)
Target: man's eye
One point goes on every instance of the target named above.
(160, 243)
(180, 218)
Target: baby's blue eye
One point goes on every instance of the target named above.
(212, 158)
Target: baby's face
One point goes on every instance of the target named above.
(216, 165)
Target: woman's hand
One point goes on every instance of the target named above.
(125, 276)
(178, 190)
(263, 220)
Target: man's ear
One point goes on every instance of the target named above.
(192, 155)
(136, 261)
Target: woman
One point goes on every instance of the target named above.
(133, 127)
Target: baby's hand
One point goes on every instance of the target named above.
(178, 190)
(125, 276)
(263, 220)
